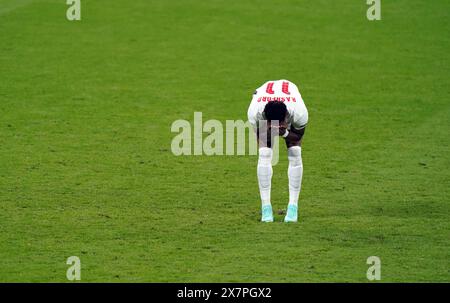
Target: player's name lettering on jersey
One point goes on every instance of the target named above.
(282, 99)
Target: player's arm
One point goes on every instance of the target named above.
(294, 136)
(264, 135)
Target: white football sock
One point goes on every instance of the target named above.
(295, 173)
(264, 173)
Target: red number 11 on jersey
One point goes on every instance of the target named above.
(284, 88)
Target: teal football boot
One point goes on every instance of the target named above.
(267, 215)
(291, 215)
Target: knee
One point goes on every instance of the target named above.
(295, 155)
(265, 156)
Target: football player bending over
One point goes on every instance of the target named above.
(277, 108)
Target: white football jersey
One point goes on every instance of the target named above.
(279, 90)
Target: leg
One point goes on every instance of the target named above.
(295, 174)
(264, 172)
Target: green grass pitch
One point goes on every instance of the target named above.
(86, 167)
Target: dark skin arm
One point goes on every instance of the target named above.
(294, 138)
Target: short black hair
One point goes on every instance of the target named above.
(275, 110)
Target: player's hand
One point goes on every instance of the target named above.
(281, 130)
